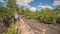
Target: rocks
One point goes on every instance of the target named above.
(27, 26)
(23, 27)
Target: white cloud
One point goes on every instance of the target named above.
(45, 6)
(32, 8)
(2, 1)
(56, 2)
(24, 2)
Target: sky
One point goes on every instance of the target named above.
(35, 4)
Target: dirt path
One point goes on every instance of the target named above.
(22, 27)
(43, 28)
(27, 26)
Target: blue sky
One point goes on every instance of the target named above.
(35, 4)
(3, 2)
(42, 2)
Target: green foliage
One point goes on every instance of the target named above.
(11, 30)
(20, 10)
(29, 14)
(9, 10)
(5, 12)
(11, 5)
(45, 15)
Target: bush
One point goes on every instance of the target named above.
(45, 15)
(58, 19)
(11, 30)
